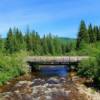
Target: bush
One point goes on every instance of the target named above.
(12, 66)
(90, 68)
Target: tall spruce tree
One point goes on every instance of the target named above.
(45, 46)
(90, 32)
(19, 39)
(1, 44)
(37, 45)
(50, 42)
(94, 34)
(28, 40)
(83, 36)
(57, 46)
(9, 44)
(97, 33)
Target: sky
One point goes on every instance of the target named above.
(60, 17)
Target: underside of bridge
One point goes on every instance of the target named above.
(36, 66)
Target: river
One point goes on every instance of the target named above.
(51, 82)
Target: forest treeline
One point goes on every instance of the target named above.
(32, 42)
(87, 35)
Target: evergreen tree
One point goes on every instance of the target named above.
(9, 44)
(37, 45)
(28, 40)
(18, 40)
(1, 44)
(45, 46)
(68, 47)
(50, 42)
(97, 33)
(63, 47)
(83, 36)
(90, 32)
(58, 46)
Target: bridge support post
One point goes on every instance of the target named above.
(33, 67)
(72, 67)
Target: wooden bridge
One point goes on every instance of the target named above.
(35, 62)
(55, 60)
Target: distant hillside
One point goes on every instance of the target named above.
(67, 40)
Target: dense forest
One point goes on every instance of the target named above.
(30, 41)
(87, 35)
(18, 45)
(34, 44)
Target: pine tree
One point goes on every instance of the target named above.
(9, 44)
(50, 42)
(28, 40)
(58, 46)
(1, 44)
(19, 39)
(90, 32)
(45, 46)
(68, 47)
(97, 33)
(83, 36)
(37, 45)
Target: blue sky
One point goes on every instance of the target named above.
(60, 17)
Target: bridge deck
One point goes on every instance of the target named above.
(53, 59)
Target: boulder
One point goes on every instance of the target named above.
(53, 81)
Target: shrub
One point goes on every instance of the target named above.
(12, 66)
(88, 68)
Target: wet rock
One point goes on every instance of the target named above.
(53, 81)
(46, 85)
(7, 83)
(38, 82)
(21, 83)
(67, 93)
(17, 91)
(62, 80)
(48, 98)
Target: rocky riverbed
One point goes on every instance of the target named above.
(52, 88)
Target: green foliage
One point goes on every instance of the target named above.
(91, 33)
(17, 45)
(31, 42)
(1, 44)
(87, 35)
(90, 68)
(10, 42)
(11, 66)
(83, 36)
